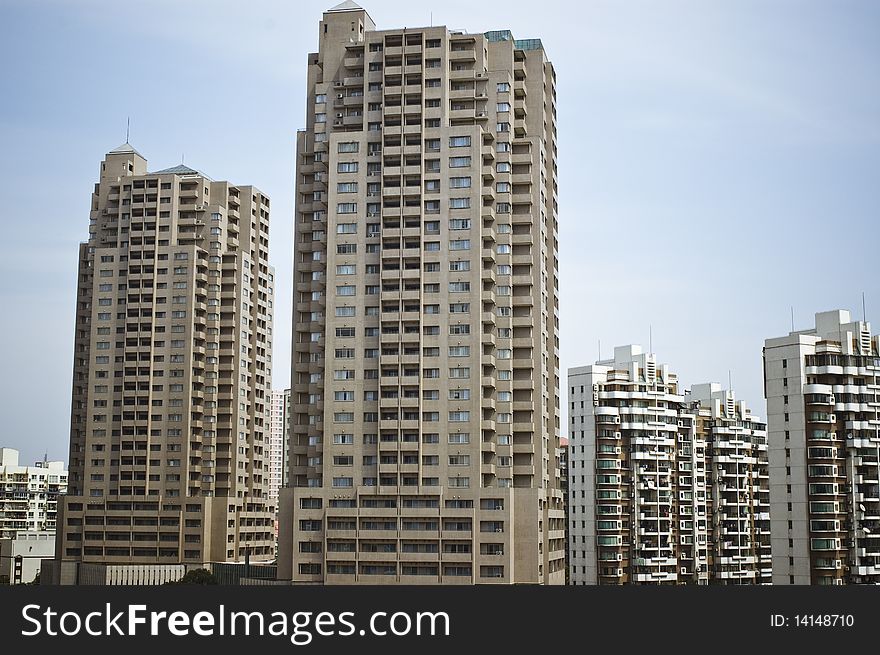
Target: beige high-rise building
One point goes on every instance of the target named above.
(425, 373)
(172, 371)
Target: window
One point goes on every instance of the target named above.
(460, 265)
(459, 162)
(347, 187)
(346, 269)
(459, 203)
(347, 146)
(459, 394)
(459, 141)
(460, 244)
(501, 187)
(346, 208)
(347, 167)
(346, 228)
(502, 167)
(459, 308)
(502, 106)
(321, 118)
(503, 87)
(342, 482)
(459, 416)
(459, 287)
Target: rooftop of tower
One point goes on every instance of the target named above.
(125, 148)
(180, 169)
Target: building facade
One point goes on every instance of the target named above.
(29, 494)
(665, 486)
(823, 394)
(279, 415)
(172, 372)
(21, 556)
(425, 382)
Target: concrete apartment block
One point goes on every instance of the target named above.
(425, 372)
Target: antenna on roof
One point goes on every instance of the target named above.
(432, 19)
(792, 318)
(729, 381)
(864, 314)
(127, 127)
(600, 350)
(650, 339)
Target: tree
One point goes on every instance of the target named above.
(197, 576)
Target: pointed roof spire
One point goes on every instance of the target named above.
(348, 5)
(125, 148)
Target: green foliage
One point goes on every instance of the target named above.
(197, 576)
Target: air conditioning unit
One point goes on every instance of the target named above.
(617, 435)
(339, 115)
(340, 96)
(499, 529)
(200, 208)
(595, 387)
(619, 571)
(619, 557)
(617, 450)
(684, 570)
(838, 581)
(681, 424)
(837, 563)
(617, 419)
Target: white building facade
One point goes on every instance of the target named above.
(29, 494)
(822, 387)
(279, 409)
(663, 484)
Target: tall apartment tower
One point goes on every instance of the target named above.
(172, 371)
(278, 432)
(666, 486)
(425, 377)
(29, 494)
(823, 395)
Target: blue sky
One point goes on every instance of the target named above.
(719, 163)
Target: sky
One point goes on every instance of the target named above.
(719, 163)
